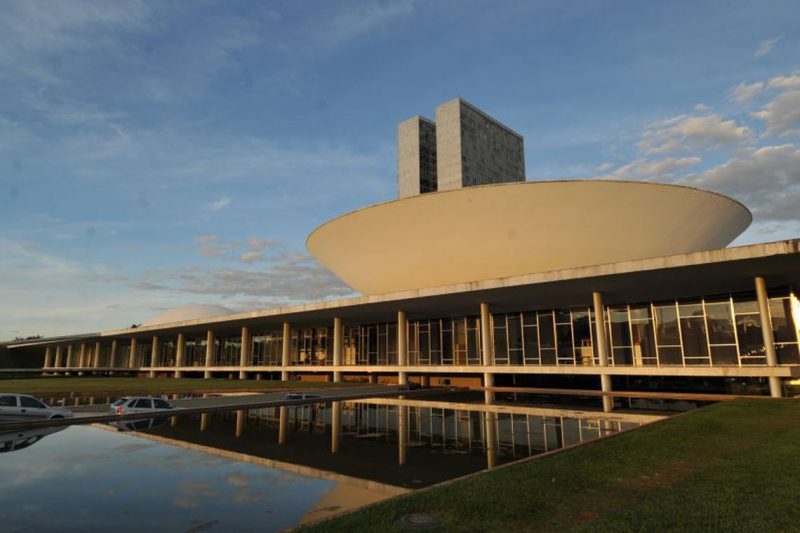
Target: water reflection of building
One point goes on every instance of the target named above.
(397, 442)
(593, 284)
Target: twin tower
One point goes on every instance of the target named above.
(462, 148)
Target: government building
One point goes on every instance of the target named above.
(477, 277)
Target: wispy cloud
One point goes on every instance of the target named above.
(766, 46)
(687, 132)
(744, 92)
(220, 204)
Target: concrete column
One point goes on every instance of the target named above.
(113, 356)
(48, 354)
(287, 343)
(204, 417)
(775, 388)
(486, 346)
(240, 417)
(283, 424)
(402, 347)
(82, 355)
(425, 381)
(209, 353)
(491, 438)
(602, 348)
(153, 356)
(373, 378)
(336, 426)
(132, 355)
(402, 434)
(338, 347)
(69, 357)
(180, 350)
(97, 351)
(57, 363)
(244, 356)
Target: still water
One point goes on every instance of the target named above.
(266, 469)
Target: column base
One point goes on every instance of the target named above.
(775, 387)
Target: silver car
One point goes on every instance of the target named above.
(21, 407)
(139, 404)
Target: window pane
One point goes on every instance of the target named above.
(623, 356)
(694, 337)
(748, 329)
(546, 333)
(640, 312)
(514, 333)
(564, 340)
(724, 355)
(500, 345)
(531, 344)
(667, 331)
(720, 323)
(644, 345)
(669, 355)
(30, 402)
(620, 334)
(787, 354)
(749, 305)
(782, 327)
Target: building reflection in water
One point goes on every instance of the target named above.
(400, 442)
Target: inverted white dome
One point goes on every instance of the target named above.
(188, 312)
(514, 229)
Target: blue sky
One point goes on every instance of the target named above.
(156, 154)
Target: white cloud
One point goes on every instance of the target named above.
(210, 246)
(258, 243)
(791, 81)
(766, 46)
(701, 107)
(357, 19)
(655, 170)
(222, 203)
(686, 132)
(782, 114)
(744, 92)
(251, 257)
(767, 180)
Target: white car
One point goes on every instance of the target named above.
(139, 404)
(21, 407)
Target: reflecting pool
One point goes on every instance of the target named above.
(267, 469)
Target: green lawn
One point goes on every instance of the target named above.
(733, 466)
(54, 385)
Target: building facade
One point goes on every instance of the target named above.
(464, 147)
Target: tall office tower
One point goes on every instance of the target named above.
(464, 147)
(416, 156)
(474, 149)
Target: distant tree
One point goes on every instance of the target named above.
(134, 326)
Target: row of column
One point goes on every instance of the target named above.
(487, 346)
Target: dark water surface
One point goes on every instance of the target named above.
(266, 469)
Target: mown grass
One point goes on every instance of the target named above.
(733, 466)
(85, 385)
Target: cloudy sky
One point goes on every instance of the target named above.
(156, 154)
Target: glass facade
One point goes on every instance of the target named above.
(722, 330)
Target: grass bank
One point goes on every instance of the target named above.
(86, 385)
(733, 466)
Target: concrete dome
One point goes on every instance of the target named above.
(188, 312)
(496, 231)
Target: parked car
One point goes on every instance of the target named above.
(20, 407)
(302, 396)
(139, 404)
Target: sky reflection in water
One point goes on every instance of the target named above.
(85, 478)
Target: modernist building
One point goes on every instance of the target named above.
(621, 287)
(464, 147)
